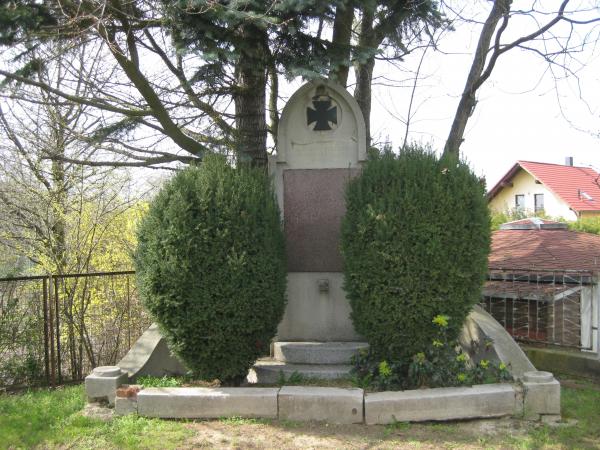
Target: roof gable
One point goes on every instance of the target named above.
(578, 187)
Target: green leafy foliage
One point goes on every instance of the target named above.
(21, 346)
(442, 363)
(164, 381)
(415, 241)
(211, 267)
(586, 224)
(498, 218)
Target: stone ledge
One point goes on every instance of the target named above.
(208, 403)
(324, 404)
(537, 397)
(492, 400)
(269, 371)
(317, 352)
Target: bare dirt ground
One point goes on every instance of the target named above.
(244, 434)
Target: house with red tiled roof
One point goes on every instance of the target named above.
(543, 283)
(556, 190)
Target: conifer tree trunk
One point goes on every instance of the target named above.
(364, 71)
(250, 97)
(342, 33)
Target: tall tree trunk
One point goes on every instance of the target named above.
(364, 70)
(468, 99)
(58, 232)
(58, 190)
(342, 33)
(250, 97)
(273, 96)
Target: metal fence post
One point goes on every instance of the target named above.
(46, 340)
(58, 356)
(51, 330)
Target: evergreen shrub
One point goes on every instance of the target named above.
(415, 242)
(211, 267)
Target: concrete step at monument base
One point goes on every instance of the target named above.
(270, 371)
(327, 353)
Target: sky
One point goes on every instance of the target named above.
(523, 112)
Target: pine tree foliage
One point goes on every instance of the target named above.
(206, 56)
(19, 18)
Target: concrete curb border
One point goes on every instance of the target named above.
(537, 397)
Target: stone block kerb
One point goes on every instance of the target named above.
(103, 382)
(208, 403)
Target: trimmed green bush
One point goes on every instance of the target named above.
(211, 267)
(415, 241)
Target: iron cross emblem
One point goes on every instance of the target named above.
(324, 113)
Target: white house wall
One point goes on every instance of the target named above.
(523, 183)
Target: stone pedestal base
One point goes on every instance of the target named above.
(103, 382)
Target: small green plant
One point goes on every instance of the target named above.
(295, 378)
(440, 364)
(164, 381)
(396, 427)
(237, 420)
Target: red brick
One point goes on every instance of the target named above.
(128, 390)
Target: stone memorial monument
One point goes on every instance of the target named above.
(321, 144)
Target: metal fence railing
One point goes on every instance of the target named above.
(550, 307)
(54, 329)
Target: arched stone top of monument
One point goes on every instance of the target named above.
(321, 127)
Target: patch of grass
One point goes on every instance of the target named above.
(444, 427)
(164, 381)
(128, 432)
(286, 423)
(49, 418)
(242, 421)
(180, 381)
(582, 405)
(28, 418)
(396, 427)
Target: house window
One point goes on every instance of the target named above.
(520, 202)
(539, 202)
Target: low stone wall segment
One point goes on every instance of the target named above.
(536, 397)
